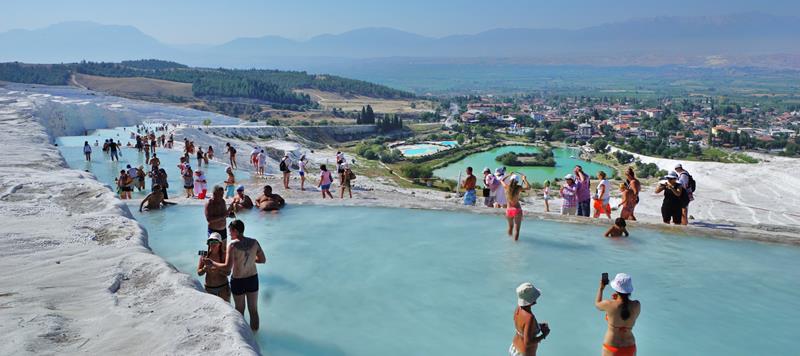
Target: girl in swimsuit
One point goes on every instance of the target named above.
(621, 315)
(513, 189)
(216, 277)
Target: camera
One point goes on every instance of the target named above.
(203, 253)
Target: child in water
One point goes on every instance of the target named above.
(618, 229)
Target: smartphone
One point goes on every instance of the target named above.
(203, 253)
(605, 278)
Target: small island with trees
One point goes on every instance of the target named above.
(544, 158)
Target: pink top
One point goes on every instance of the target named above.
(326, 178)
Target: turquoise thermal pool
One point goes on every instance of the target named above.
(566, 159)
(367, 281)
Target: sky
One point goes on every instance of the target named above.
(214, 22)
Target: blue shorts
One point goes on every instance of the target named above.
(302, 174)
(325, 186)
(229, 191)
(470, 197)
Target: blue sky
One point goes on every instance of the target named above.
(211, 22)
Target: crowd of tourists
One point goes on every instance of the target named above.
(229, 267)
(502, 190)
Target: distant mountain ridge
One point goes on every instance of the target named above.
(751, 35)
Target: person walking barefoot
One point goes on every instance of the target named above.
(546, 196)
(87, 151)
(602, 196)
(325, 180)
(285, 168)
(513, 189)
(232, 152)
(302, 172)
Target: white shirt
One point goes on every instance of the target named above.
(262, 158)
(607, 192)
(302, 165)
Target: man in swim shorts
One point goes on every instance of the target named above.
(469, 188)
(216, 213)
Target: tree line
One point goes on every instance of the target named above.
(273, 86)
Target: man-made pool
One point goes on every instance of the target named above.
(566, 159)
(369, 281)
(424, 149)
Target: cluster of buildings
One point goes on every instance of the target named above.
(625, 121)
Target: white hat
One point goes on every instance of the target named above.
(485, 170)
(527, 294)
(569, 176)
(671, 175)
(678, 166)
(622, 283)
(215, 236)
(498, 171)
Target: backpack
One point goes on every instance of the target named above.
(283, 167)
(232, 150)
(351, 175)
(691, 183)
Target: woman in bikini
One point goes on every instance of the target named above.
(216, 277)
(529, 333)
(514, 210)
(621, 315)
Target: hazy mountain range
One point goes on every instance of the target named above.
(741, 39)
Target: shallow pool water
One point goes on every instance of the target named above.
(367, 281)
(423, 149)
(566, 159)
(105, 170)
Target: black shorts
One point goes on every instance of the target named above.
(241, 286)
(223, 233)
(671, 213)
(126, 189)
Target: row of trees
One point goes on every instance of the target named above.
(366, 116)
(389, 123)
(247, 88)
(273, 86)
(56, 74)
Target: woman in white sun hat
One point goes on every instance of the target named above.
(621, 315)
(526, 340)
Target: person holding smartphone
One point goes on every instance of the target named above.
(672, 204)
(526, 340)
(216, 277)
(621, 314)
